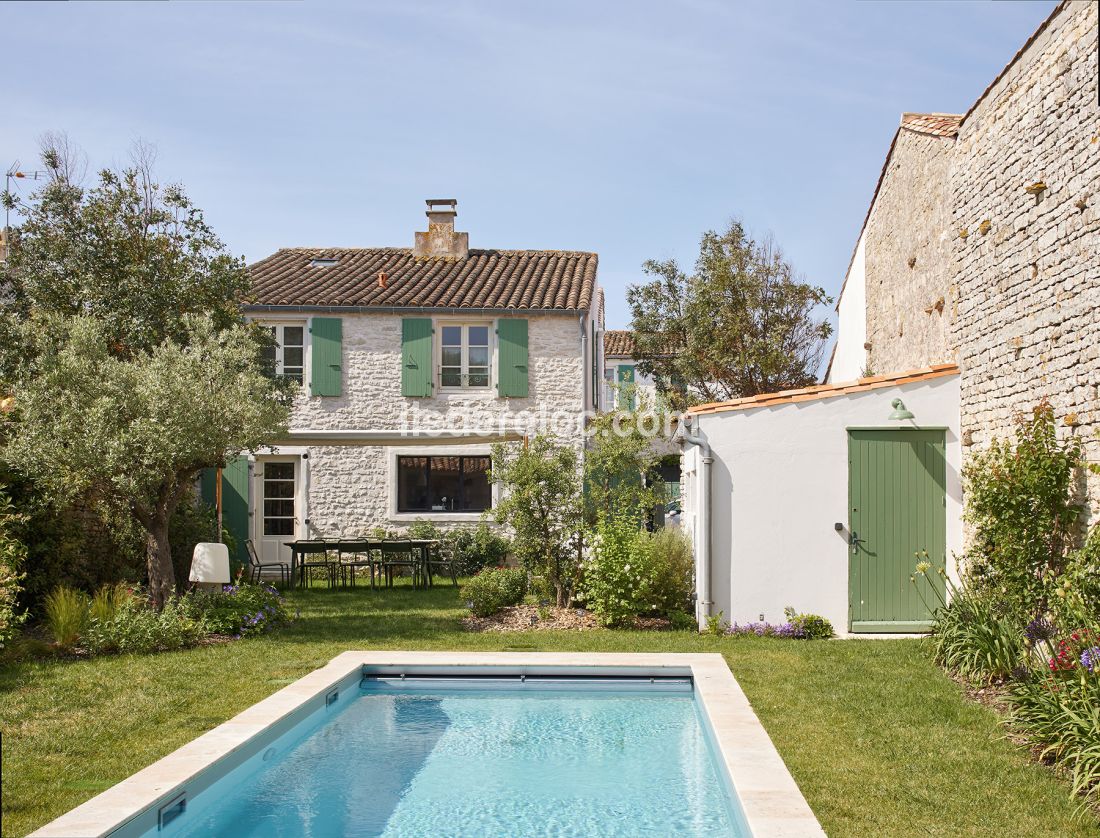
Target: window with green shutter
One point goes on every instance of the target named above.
(512, 358)
(326, 335)
(416, 356)
(627, 389)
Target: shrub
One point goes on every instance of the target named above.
(12, 556)
(238, 610)
(478, 547)
(491, 590)
(797, 627)
(137, 627)
(682, 621)
(1018, 502)
(808, 626)
(619, 572)
(66, 612)
(673, 570)
(628, 571)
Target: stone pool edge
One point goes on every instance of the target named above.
(772, 803)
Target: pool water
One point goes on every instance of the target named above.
(435, 760)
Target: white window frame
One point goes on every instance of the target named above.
(437, 349)
(435, 451)
(279, 367)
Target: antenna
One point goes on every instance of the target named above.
(13, 173)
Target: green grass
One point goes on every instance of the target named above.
(879, 740)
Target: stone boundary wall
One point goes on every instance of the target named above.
(1025, 186)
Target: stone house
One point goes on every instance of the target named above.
(411, 361)
(980, 245)
(624, 385)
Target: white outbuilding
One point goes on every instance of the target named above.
(825, 499)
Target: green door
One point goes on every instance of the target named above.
(896, 518)
(234, 501)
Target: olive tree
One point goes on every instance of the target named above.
(542, 503)
(134, 432)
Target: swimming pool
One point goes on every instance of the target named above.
(458, 744)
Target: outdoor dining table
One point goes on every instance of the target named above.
(304, 547)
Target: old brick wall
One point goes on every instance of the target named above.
(1028, 323)
(908, 257)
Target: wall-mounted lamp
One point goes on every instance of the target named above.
(900, 411)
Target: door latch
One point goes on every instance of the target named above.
(854, 540)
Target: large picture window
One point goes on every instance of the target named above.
(443, 484)
(464, 356)
(287, 357)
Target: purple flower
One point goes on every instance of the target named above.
(1040, 629)
(1090, 659)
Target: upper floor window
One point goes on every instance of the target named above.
(464, 356)
(287, 357)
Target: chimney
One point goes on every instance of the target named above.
(441, 241)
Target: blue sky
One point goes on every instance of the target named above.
(622, 128)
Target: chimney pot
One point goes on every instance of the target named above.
(382, 277)
(441, 241)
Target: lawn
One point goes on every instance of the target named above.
(879, 741)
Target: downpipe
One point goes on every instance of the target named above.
(683, 437)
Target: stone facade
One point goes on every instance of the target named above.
(351, 487)
(907, 260)
(1003, 225)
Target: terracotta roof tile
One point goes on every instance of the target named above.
(618, 342)
(491, 279)
(824, 391)
(938, 124)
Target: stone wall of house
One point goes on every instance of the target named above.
(350, 486)
(907, 248)
(1028, 268)
(1004, 227)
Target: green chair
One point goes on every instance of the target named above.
(398, 554)
(442, 557)
(362, 555)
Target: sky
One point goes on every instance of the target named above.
(626, 128)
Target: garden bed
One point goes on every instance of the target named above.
(542, 618)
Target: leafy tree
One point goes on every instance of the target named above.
(106, 288)
(741, 324)
(620, 454)
(134, 254)
(542, 504)
(135, 432)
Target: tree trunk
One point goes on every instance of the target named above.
(158, 554)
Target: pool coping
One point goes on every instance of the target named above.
(772, 803)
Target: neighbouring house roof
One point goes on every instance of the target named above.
(618, 343)
(485, 279)
(825, 391)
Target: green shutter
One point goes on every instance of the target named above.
(627, 390)
(327, 348)
(512, 358)
(416, 356)
(234, 501)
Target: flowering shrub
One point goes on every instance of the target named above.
(619, 572)
(628, 571)
(239, 610)
(798, 627)
(494, 589)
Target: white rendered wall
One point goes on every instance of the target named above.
(779, 482)
(850, 358)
